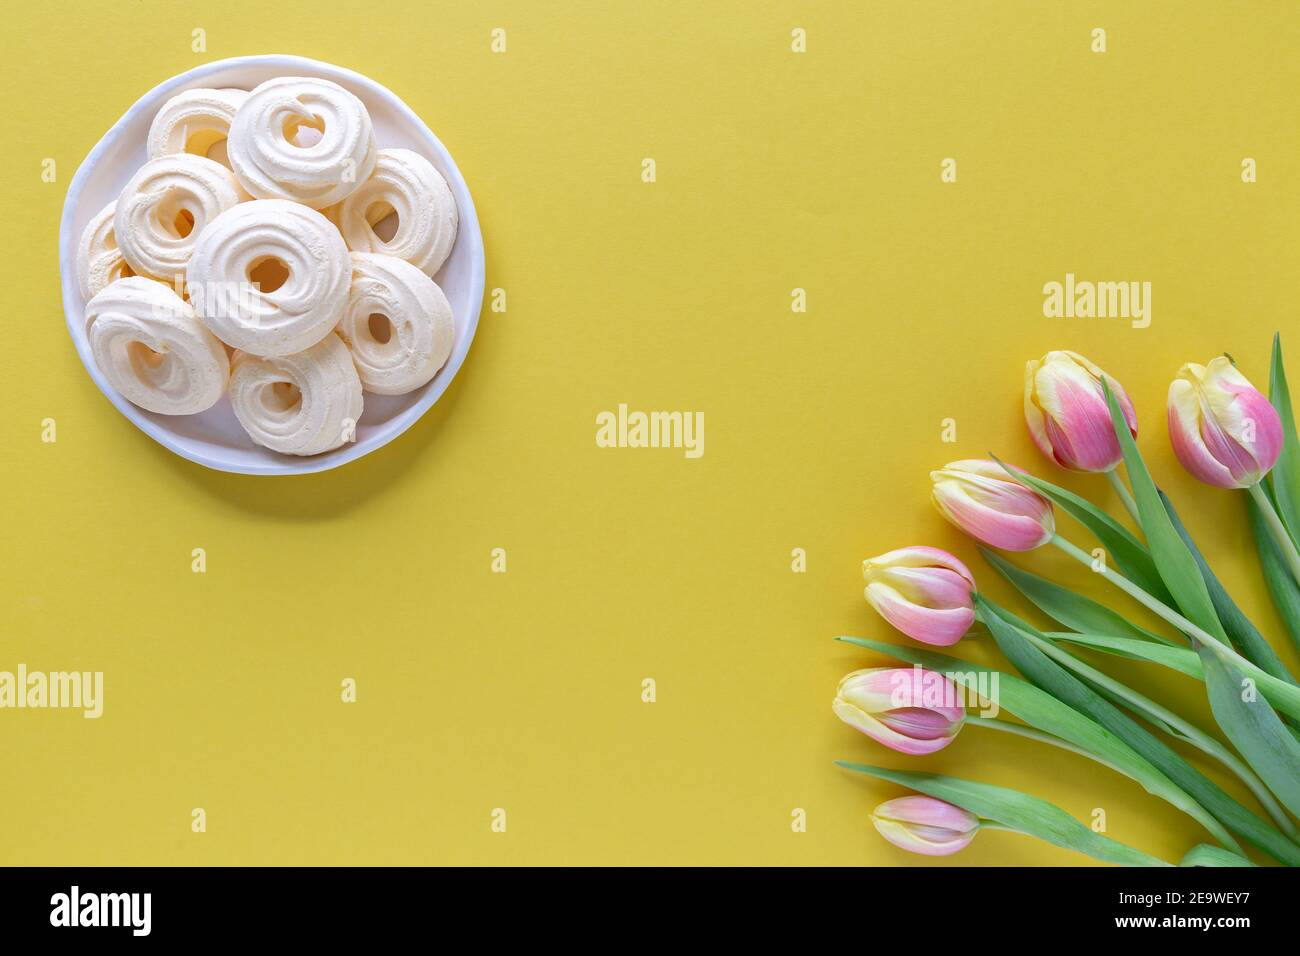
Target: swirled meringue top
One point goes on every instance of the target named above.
(301, 404)
(193, 121)
(225, 290)
(407, 184)
(165, 207)
(263, 145)
(99, 260)
(397, 324)
(152, 348)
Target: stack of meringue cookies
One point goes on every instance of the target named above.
(269, 276)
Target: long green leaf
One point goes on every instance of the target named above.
(1283, 695)
(1281, 583)
(1065, 687)
(1061, 604)
(1177, 567)
(1243, 634)
(1125, 550)
(1205, 855)
(1011, 808)
(1254, 728)
(1285, 477)
(1040, 709)
(1181, 659)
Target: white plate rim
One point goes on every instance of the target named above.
(469, 231)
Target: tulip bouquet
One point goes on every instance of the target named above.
(1225, 433)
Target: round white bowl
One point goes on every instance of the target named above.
(214, 438)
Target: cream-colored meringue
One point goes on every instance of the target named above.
(269, 162)
(153, 349)
(164, 209)
(226, 285)
(193, 121)
(405, 183)
(301, 404)
(99, 260)
(397, 324)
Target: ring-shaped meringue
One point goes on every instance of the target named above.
(243, 311)
(271, 164)
(153, 349)
(165, 207)
(407, 184)
(193, 121)
(414, 332)
(99, 260)
(301, 404)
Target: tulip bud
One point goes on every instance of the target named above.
(925, 825)
(1223, 430)
(909, 709)
(1067, 415)
(980, 498)
(924, 592)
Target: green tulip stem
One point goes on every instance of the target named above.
(1277, 529)
(1185, 731)
(1152, 604)
(1125, 495)
(1021, 730)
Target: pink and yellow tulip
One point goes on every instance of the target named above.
(1224, 431)
(908, 709)
(924, 592)
(925, 825)
(981, 499)
(1066, 411)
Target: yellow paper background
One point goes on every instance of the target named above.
(523, 690)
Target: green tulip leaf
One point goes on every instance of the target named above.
(1125, 550)
(1243, 634)
(1281, 583)
(1015, 810)
(1285, 477)
(1065, 687)
(1061, 604)
(1281, 694)
(1205, 855)
(1181, 659)
(1253, 727)
(1177, 567)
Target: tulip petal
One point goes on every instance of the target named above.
(918, 723)
(978, 497)
(919, 556)
(934, 587)
(925, 825)
(1223, 430)
(923, 592)
(1066, 412)
(911, 710)
(1185, 437)
(861, 721)
(941, 627)
(929, 811)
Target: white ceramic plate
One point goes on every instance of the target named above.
(214, 438)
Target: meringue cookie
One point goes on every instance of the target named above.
(99, 260)
(397, 324)
(270, 163)
(153, 349)
(247, 248)
(405, 183)
(165, 207)
(300, 404)
(193, 122)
